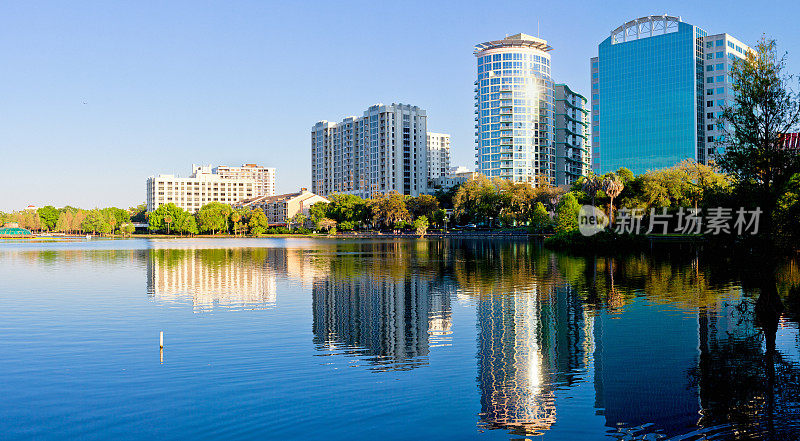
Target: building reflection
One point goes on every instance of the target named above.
(240, 278)
(391, 323)
(389, 312)
(531, 343)
(210, 278)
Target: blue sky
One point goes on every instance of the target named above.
(168, 84)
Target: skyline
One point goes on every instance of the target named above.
(168, 86)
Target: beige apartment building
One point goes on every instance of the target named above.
(204, 185)
(263, 176)
(285, 206)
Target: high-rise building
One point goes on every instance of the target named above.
(658, 85)
(573, 149)
(264, 176)
(719, 51)
(381, 152)
(204, 185)
(515, 109)
(438, 155)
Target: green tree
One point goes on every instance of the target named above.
(481, 199)
(190, 226)
(567, 214)
(422, 205)
(258, 222)
(764, 110)
(299, 220)
(319, 211)
(170, 218)
(127, 228)
(214, 217)
(48, 216)
(702, 180)
(138, 213)
(96, 222)
(347, 207)
(116, 216)
(421, 225)
(540, 219)
(389, 209)
(439, 217)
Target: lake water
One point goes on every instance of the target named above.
(305, 339)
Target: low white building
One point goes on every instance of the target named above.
(281, 207)
(456, 177)
(204, 185)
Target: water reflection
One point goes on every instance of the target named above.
(678, 347)
(670, 346)
(383, 305)
(239, 278)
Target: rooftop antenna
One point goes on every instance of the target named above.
(538, 33)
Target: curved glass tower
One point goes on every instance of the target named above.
(515, 109)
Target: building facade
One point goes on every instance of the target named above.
(383, 151)
(515, 109)
(264, 176)
(720, 51)
(204, 185)
(453, 179)
(438, 155)
(658, 85)
(285, 206)
(573, 149)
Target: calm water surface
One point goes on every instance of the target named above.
(340, 340)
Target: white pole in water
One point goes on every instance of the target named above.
(161, 340)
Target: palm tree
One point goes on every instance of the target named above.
(167, 220)
(591, 185)
(612, 186)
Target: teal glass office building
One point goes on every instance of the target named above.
(647, 96)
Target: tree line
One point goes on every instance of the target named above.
(71, 220)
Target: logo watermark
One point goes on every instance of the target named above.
(685, 221)
(591, 220)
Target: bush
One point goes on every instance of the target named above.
(567, 214)
(540, 219)
(604, 242)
